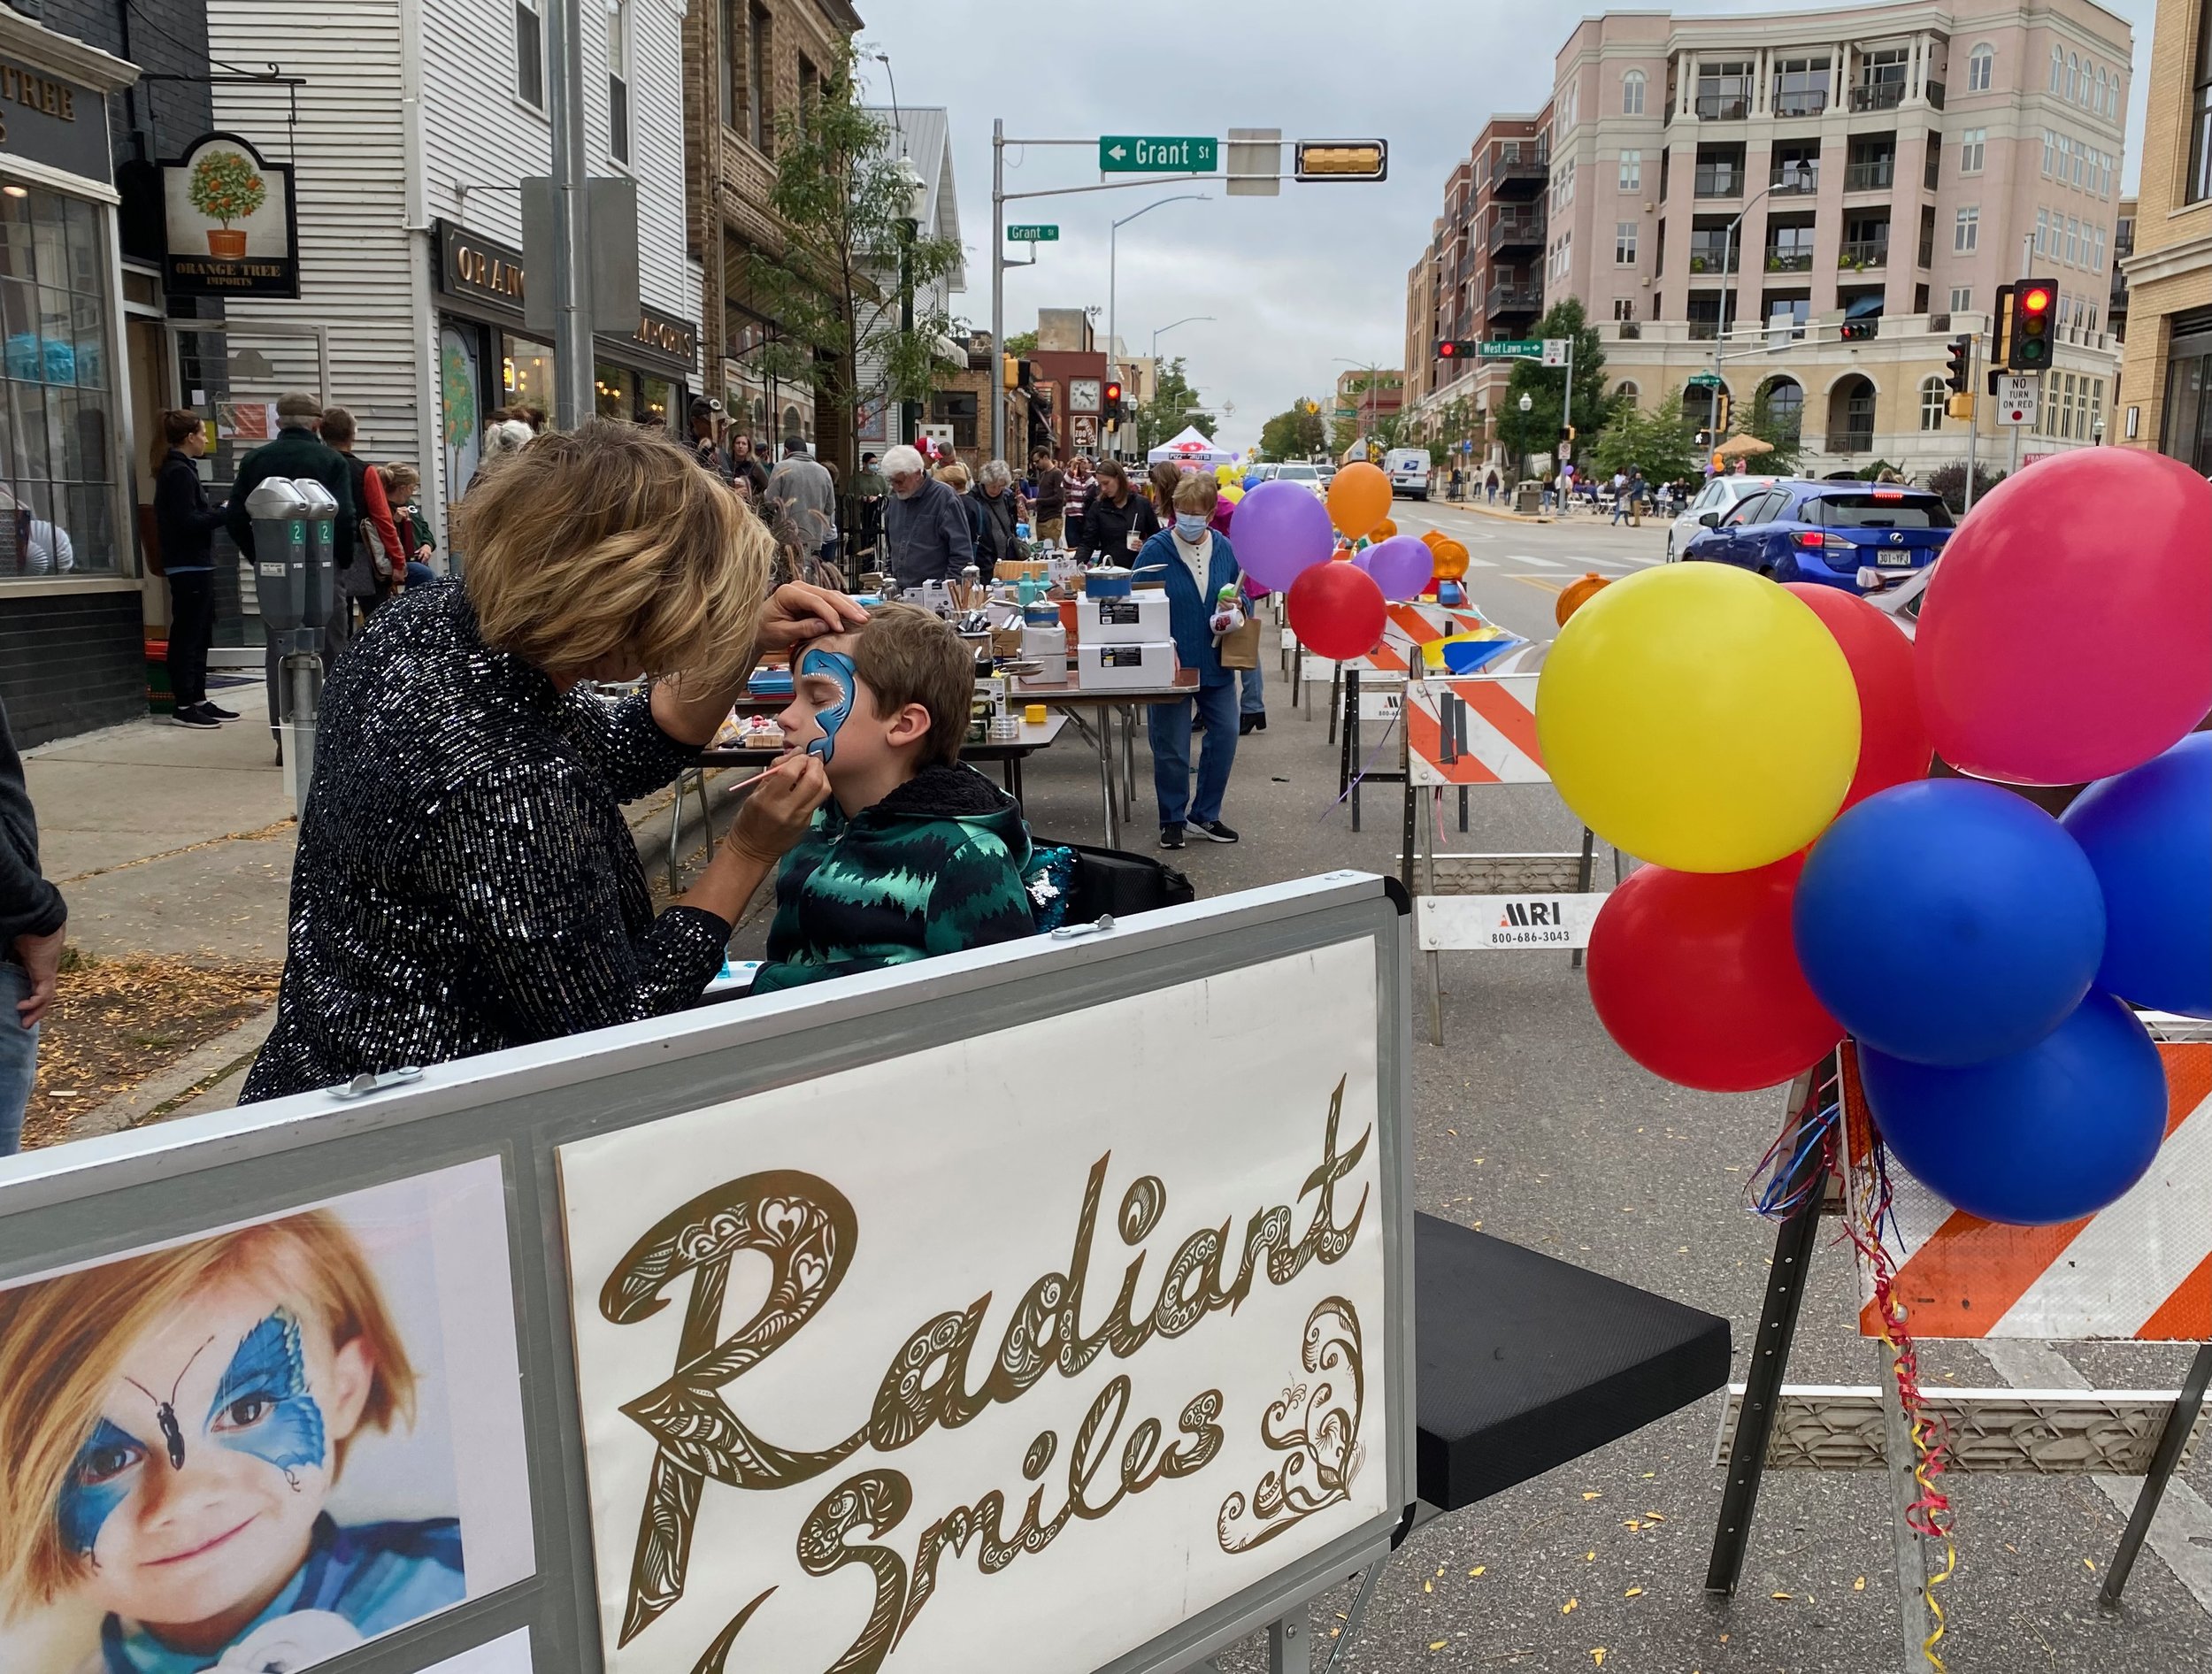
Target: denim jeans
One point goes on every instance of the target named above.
(18, 1056)
(1251, 691)
(1170, 726)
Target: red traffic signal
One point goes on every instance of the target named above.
(2035, 300)
(1456, 348)
(2029, 346)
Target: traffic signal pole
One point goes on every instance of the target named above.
(1973, 417)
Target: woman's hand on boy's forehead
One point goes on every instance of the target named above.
(798, 614)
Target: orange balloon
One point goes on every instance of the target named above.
(1383, 531)
(1359, 498)
(1575, 595)
(1451, 562)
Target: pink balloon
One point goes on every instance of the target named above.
(2067, 632)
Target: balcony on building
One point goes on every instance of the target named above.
(1865, 241)
(1793, 178)
(1871, 165)
(1801, 86)
(1522, 169)
(1521, 231)
(1880, 83)
(1719, 172)
(1508, 299)
(1789, 247)
(1723, 90)
(1708, 247)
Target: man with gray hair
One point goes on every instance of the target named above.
(804, 485)
(924, 525)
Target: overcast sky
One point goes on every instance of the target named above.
(1292, 281)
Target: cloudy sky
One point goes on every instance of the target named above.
(1293, 282)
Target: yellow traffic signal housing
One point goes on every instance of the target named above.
(1960, 407)
(1341, 159)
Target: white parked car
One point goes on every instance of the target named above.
(1293, 471)
(1720, 496)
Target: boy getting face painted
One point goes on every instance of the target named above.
(177, 1421)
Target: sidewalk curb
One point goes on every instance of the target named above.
(1499, 513)
(199, 1069)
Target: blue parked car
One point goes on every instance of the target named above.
(1863, 536)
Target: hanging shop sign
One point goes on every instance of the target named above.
(229, 221)
(46, 119)
(492, 279)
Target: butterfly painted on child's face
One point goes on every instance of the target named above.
(260, 1406)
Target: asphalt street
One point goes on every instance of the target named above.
(1531, 1125)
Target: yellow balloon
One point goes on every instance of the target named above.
(1231, 492)
(1699, 717)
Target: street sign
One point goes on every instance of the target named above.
(1509, 348)
(1555, 350)
(1036, 233)
(1566, 450)
(2019, 395)
(1705, 380)
(1157, 154)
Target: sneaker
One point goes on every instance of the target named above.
(1171, 836)
(1213, 831)
(208, 706)
(195, 717)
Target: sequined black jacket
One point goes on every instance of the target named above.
(465, 880)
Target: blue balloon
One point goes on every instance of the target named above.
(2148, 836)
(2040, 1137)
(1251, 480)
(1948, 921)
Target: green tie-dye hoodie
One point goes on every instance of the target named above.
(934, 867)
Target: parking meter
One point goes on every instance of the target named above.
(278, 512)
(322, 519)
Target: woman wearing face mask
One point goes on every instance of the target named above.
(1119, 521)
(1197, 563)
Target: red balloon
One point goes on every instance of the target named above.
(1337, 610)
(1695, 976)
(1894, 745)
(2066, 631)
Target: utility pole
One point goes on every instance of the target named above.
(1973, 417)
(998, 279)
(572, 395)
(2027, 266)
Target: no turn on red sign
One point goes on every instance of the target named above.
(2019, 395)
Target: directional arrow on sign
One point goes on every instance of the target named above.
(1116, 152)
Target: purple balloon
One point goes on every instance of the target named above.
(1282, 531)
(1401, 566)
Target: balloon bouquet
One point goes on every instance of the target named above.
(1286, 539)
(1767, 749)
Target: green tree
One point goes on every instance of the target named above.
(834, 288)
(1782, 429)
(1537, 430)
(1660, 441)
(224, 188)
(1171, 408)
(1294, 433)
(1021, 344)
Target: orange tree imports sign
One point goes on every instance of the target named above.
(1011, 1352)
(229, 221)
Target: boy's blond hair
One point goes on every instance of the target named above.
(62, 1340)
(906, 654)
(609, 539)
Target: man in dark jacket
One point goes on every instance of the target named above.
(925, 524)
(184, 523)
(1052, 497)
(298, 451)
(1118, 521)
(32, 917)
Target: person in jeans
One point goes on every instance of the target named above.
(184, 525)
(1198, 563)
(32, 917)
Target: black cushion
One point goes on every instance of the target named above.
(1527, 1362)
(1112, 880)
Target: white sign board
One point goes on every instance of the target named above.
(1051, 1361)
(1555, 350)
(1448, 924)
(2019, 396)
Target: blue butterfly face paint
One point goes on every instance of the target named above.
(100, 1478)
(837, 668)
(263, 1406)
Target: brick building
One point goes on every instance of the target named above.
(2166, 386)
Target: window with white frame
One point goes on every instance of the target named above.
(1933, 393)
(2050, 152)
(1632, 170)
(2103, 82)
(1966, 232)
(2073, 241)
(2073, 78)
(1981, 65)
(2042, 232)
(1623, 243)
(530, 53)
(2065, 158)
(1625, 392)
(618, 80)
(2058, 69)
(2081, 162)
(1972, 143)
(1632, 93)
(1961, 299)
(1624, 308)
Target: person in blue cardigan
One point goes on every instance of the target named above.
(1198, 562)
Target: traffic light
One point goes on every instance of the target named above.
(1456, 348)
(2028, 347)
(1960, 356)
(1009, 372)
(1113, 402)
(1341, 159)
(1566, 432)
(1721, 404)
(1856, 331)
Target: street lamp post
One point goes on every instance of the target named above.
(1720, 325)
(909, 229)
(1171, 325)
(1113, 253)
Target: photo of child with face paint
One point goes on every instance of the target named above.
(171, 1426)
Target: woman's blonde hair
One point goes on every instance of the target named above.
(400, 481)
(1196, 492)
(63, 1338)
(607, 540)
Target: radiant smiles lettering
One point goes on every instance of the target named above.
(807, 1229)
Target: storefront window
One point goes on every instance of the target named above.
(615, 391)
(526, 372)
(56, 433)
(655, 394)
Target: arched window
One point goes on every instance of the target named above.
(1933, 391)
(1632, 93)
(2058, 69)
(1981, 68)
(1625, 392)
(2104, 92)
(2073, 78)
(1785, 403)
